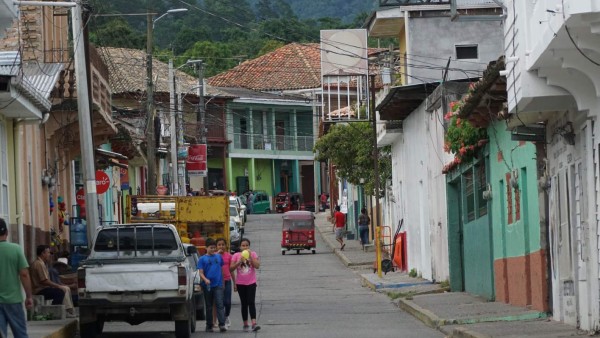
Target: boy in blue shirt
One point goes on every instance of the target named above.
(209, 268)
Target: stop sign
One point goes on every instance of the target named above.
(102, 182)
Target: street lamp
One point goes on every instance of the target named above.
(170, 11)
(151, 182)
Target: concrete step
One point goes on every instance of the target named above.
(53, 312)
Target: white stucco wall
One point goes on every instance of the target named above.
(419, 189)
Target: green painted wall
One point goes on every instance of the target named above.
(264, 169)
(215, 163)
(521, 237)
(470, 241)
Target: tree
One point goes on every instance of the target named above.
(350, 148)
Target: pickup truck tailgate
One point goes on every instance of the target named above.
(131, 277)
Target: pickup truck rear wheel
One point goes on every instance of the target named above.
(184, 328)
(88, 330)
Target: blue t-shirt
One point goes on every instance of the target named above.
(211, 266)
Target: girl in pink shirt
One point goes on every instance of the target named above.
(245, 282)
(227, 279)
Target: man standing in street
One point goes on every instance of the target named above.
(339, 224)
(43, 285)
(13, 275)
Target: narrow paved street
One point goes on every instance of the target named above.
(302, 295)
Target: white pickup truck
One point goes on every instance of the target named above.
(136, 273)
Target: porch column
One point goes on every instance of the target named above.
(296, 173)
(294, 130)
(252, 175)
(250, 131)
(229, 173)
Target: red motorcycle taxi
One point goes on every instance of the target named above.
(298, 232)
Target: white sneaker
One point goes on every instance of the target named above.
(227, 322)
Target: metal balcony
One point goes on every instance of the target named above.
(395, 3)
(269, 143)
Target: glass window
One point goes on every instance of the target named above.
(466, 52)
(481, 187)
(233, 211)
(469, 195)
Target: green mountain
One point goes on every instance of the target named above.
(220, 32)
(347, 10)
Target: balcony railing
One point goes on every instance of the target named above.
(272, 143)
(393, 3)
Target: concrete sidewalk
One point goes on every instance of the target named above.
(457, 314)
(65, 328)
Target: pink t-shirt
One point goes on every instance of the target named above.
(226, 263)
(245, 273)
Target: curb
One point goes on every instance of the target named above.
(67, 331)
(426, 316)
(461, 332)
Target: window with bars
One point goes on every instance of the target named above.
(474, 184)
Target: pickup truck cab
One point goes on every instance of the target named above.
(136, 273)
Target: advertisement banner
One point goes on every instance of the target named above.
(124, 174)
(196, 161)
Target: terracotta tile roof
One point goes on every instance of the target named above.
(293, 66)
(127, 72)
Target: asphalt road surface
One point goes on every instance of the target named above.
(302, 295)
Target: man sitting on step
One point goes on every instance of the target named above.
(43, 285)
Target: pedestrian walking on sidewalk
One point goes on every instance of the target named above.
(363, 227)
(211, 273)
(14, 273)
(339, 224)
(227, 279)
(245, 263)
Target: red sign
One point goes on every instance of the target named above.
(124, 174)
(196, 161)
(80, 197)
(161, 190)
(102, 182)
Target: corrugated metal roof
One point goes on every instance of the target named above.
(10, 63)
(42, 76)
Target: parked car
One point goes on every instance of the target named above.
(235, 237)
(261, 203)
(235, 200)
(234, 215)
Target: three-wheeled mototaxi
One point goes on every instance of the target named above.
(298, 232)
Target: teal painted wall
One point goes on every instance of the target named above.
(470, 241)
(521, 237)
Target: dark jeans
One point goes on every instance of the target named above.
(57, 295)
(227, 298)
(213, 296)
(247, 294)
(363, 232)
(13, 315)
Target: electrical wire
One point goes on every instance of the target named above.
(573, 40)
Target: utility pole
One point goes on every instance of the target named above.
(151, 180)
(83, 113)
(201, 115)
(173, 131)
(376, 174)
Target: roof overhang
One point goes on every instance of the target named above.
(387, 22)
(403, 100)
(28, 89)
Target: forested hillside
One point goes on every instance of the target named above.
(220, 32)
(343, 9)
